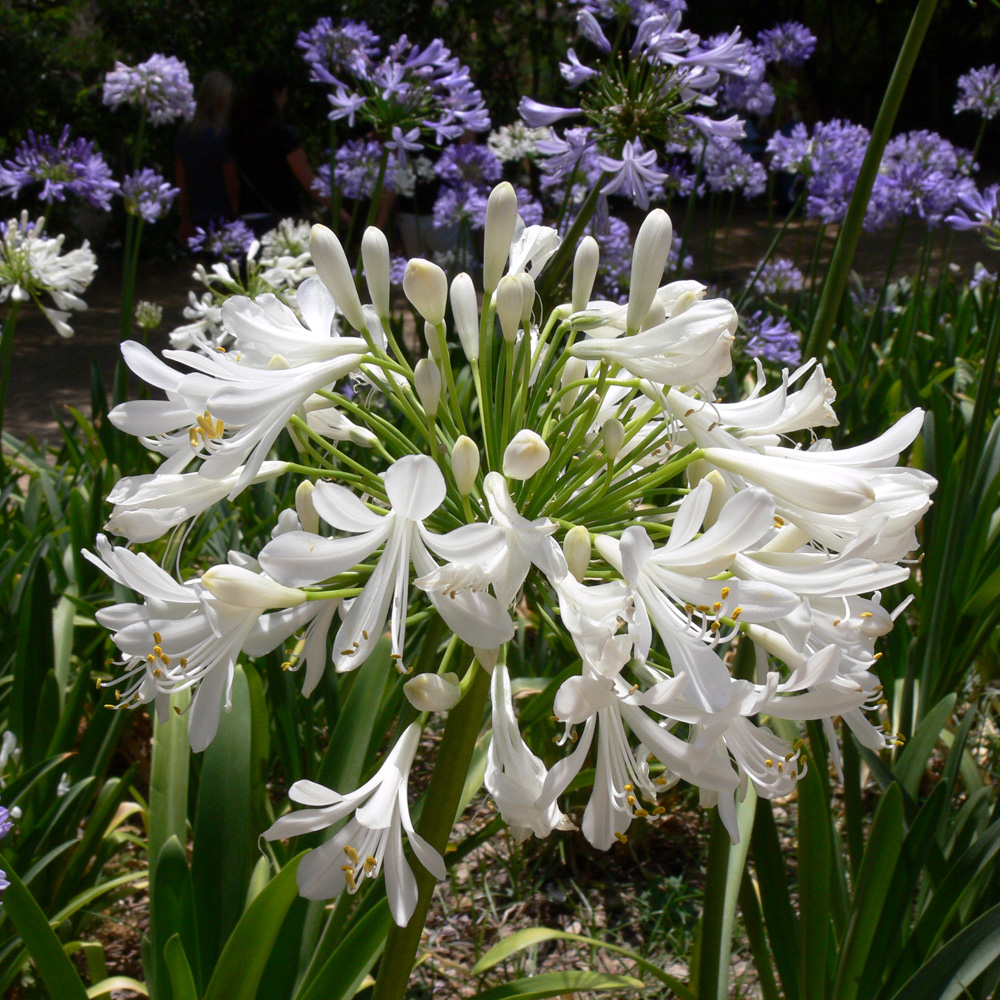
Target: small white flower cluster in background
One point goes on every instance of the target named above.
(277, 265)
(707, 573)
(33, 264)
(148, 315)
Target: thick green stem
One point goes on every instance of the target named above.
(843, 254)
(436, 820)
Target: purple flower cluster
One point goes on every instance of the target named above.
(629, 129)
(67, 165)
(777, 276)
(148, 195)
(979, 210)
(160, 86)
(728, 168)
(6, 824)
(979, 91)
(773, 339)
(223, 240)
(790, 43)
(406, 93)
(355, 170)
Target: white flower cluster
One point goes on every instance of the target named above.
(578, 472)
(33, 264)
(276, 265)
(512, 143)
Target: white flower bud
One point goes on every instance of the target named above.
(509, 301)
(613, 433)
(501, 220)
(427, 380)
(657, 314)
(525, 455)
(465, 310)
(574, 370)
(433, 692)
(527, 298)
(334, 271)
(426, 286)
(243, 588)
(465, 464)
(649, 258)
(375, 255)
(432, 340)
(576, 546)
(585, 263)
(308, 517)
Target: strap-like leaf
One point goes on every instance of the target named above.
(557, 984)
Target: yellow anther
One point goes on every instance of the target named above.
(183, 662)
(836, 621)
(883, 701)
(158, 650)
(778, 521)
(193, 438)
(150, 658)
(221, 350)
(631, 800)
(736, 613)
(689, 608)
(799, 744)
(349, 878)
(717, 606)
(628, 787)
(768, 762)
(621, 838)
(716, 626)
(789, 756)
(703, 608)
(364, 633)
(157, 672)
(659, 810)
(781, 767)
(661, 781)
(633, 689)
(286, 665)
(866, 614)
(725, 592)
(347, 652)
(803, 759)
(877, 656)
(573, 737)
(641, 813)
(351, 853)
(157, 638)
(164, 659)
(370, 865)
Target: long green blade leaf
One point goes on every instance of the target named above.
(556, 984)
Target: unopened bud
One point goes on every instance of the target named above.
(509, 300)
(427, 380)
(574, 370)
(308, 517)
(613, 433)
(426, 286)
(334, 271)
(465, 310)
(465, 464)
(649, 258)
(585, 263)
(720, 494)
(375, 255)
(433, 692)
(576, 546)
(525, 455)
(501, 220)
(242, 588)
(527, 298)
(432, 340)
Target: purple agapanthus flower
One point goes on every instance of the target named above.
(355, 170)
(728, 168)
(223, 240)
(789, 42)
(979, 211)
(777, 276)
(160, 85)
(6, 824)
(67, 165)
(634, 175)
(148, 195)
(330, 49)
(749, 92)
(773, 339)
(469, 163)
(979, 91)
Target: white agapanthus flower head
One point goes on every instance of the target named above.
(33, 264)
(562, 472)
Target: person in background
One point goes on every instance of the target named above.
(204, 167)
(274, 172)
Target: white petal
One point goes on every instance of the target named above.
(415, 486)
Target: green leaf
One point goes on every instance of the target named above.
(246, 952)
(224, 836)
(168, 779)
(105, 986)
(172, 914)
(354, 956)
(815, 870)
(912, 762)
(532, 936)
(951, 969)
(179, 969)
(556, 984)
(54, 967)
(877, 866)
